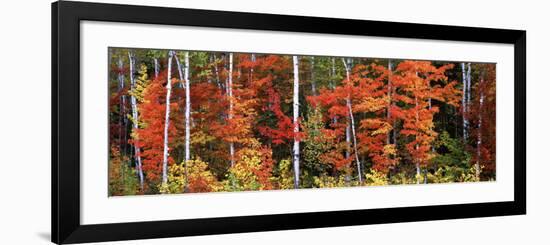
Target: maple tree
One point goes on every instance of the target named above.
(415, 79)
(150, 136)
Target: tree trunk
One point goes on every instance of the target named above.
(348, 133)
(122, 117)
(167, 119)
(313, 82)
(184, 79)
(464, 95)
(230, 116)
(352, 126)
(332, 83)
(216, 72)
(180, 71)
(187, 110)
(469, 87)
(122, 109)
(253, 59)
(187, 118)
(296, 113)
(348, 136)
(156, 61)
(479, 138)
(133, 100)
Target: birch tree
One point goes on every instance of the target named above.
(156, 62)
(230, 115)
(167, 119)
(464, 96)
(352, 126)
(122, 109)
(479, 129)
(187, 110)
(469, 87)
(135, 120)
(216, 71)
(122, 121)
(184, 80)
(296, 113)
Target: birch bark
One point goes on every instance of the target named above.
(184, 80)
(133, 101)
(122, 116)
(479, 139)
(156, 61)
(230, 115)
(464, 89)
(352, 126)
(167, 119)
(122, 109)
(469, 87)
(296, 113)
(187, 110)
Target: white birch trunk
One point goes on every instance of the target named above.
(479, 139)
(348, 133)
(167, 119)
(253, 59)
(332, 83)
(122, 117)
(358, 162)
(187, 110)
(217, 72)
(352, 126)
(230, 116)
(296, 113)
(333, 73)
(251, 73)
(122, 110)
(469, 87)
(187, 118)
(348, 136)
(133, 101)
(156, 61)
(184, 80)
(180, 71)
(464, 120)
(313, 82)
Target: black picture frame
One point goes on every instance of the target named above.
(66, 18)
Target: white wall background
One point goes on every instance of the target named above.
(25, 121)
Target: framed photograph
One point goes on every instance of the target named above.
(177, 122)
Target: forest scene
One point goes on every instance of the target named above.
(201, 121)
